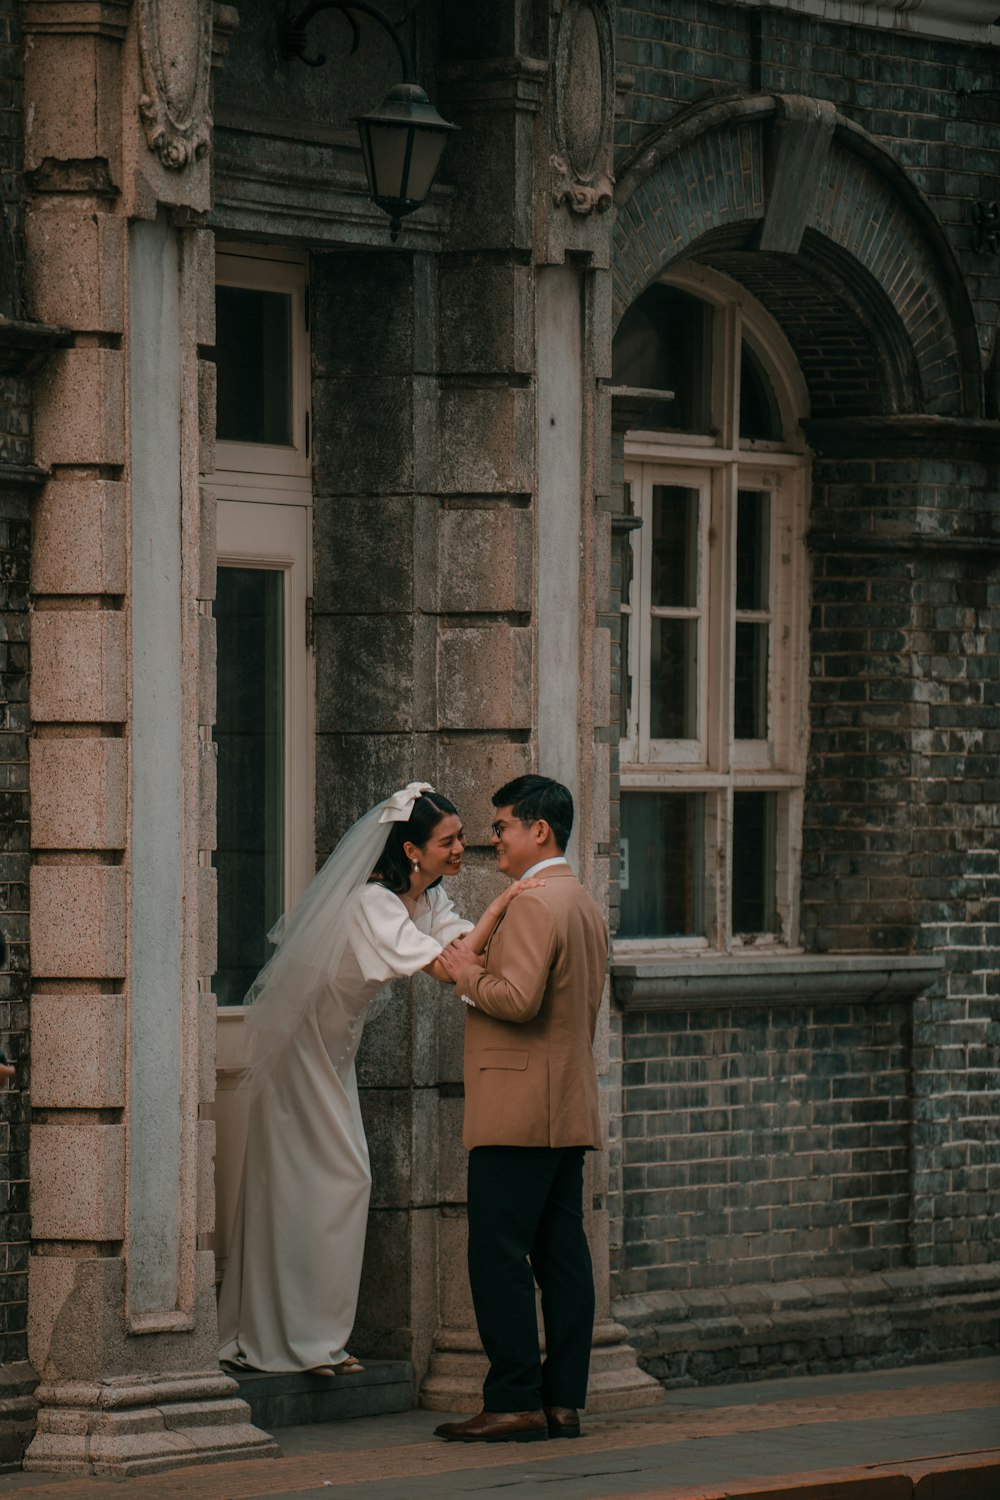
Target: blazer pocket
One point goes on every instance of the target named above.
(503, 1057)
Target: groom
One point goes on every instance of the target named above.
(531, 1112)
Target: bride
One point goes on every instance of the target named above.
(376, 911)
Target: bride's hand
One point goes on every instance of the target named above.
(530, 883)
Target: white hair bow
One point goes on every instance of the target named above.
(398, 807)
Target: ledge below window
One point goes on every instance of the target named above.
(658, 983)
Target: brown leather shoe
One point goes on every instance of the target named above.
(563, 1421)
(497, 1427)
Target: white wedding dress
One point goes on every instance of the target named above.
(290, 1290)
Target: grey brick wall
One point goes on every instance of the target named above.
(779, 1174)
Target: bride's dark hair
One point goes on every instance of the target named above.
(393, 867)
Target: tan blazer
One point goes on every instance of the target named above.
(529, 1064)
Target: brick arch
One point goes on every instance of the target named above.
(808, 211)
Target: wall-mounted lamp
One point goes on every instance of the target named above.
(403, 139)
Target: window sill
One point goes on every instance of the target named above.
(655, 982)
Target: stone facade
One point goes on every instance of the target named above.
(802, 1170)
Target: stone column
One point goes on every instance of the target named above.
(122, 1324)
(534, 95)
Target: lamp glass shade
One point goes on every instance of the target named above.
(402, 142)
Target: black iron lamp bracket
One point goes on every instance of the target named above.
(293, 31)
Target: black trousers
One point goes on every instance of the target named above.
(526, 1225)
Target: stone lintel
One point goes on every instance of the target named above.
(651, 982)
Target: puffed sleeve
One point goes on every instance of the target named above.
(386, 942)
(445, 920)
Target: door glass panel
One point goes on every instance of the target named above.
(253, 354)
(750, 682)
(753, 549)
(674, 546)
(754, 828)
(662, 870)
(249, 733)
(673, 679)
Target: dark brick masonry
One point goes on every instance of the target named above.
(816, 1185)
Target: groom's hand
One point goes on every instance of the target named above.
(458, 957)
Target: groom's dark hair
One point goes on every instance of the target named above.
(531, 797)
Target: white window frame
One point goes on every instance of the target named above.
(269, 269)
(715, 763)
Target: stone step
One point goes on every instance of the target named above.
(293, 1400)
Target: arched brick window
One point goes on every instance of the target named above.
(714, 616)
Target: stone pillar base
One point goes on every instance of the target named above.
(131, 1426)
(454, 1380)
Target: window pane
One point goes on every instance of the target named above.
(675, 546)
(664, 343)
(253, 354)
(250, 736)
(750, 682)
(760, 414)
(662, 872)
(753, 549)
(673, 679)
(754, 826)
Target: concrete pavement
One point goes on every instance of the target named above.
(923, 1433)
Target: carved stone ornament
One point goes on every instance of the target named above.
(175, 47)
(584, 107)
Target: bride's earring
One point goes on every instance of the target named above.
(416, 866)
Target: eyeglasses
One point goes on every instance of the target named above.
(498, 829)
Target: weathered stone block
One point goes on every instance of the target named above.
(207, 787)
(207, 1026)
(79, 793)
(208, 922)
(74, 85)
(364, 551)
(78, 1181)
(453, 1159)
(389, 1127)
(484, 561)
(80, 411)
(78, 666)
(199, 260)
(470, 769)
(79, 539)
(384, 1055)
(487, 440)
(207, 388)
(383, 1318)
(205, 1212)
(207, 658)
(78, 1051)
(354, 771)
(207, 544)
(602, 678)
(78, 921)
(485, 677)
(363, 435)
(486, 317)
(364, 673)
(362, 313)
(75, 267)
